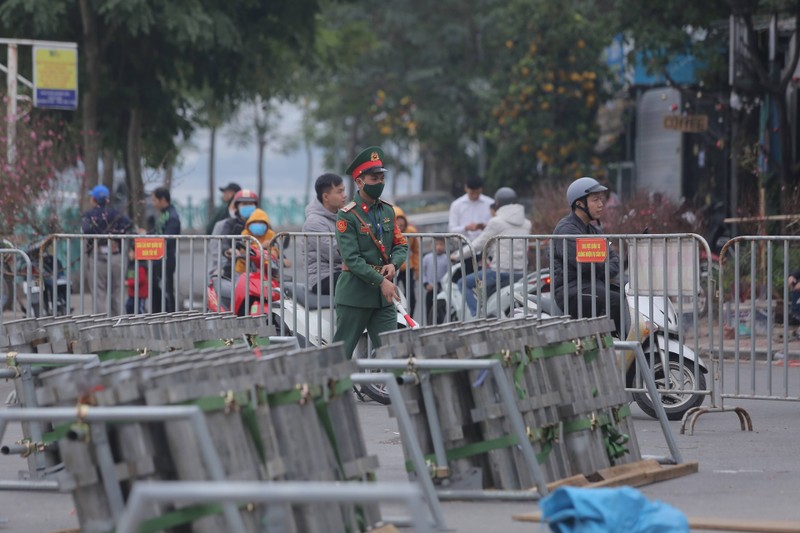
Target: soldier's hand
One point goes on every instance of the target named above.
(389, 291)
(388, 271)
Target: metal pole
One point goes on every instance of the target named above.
(432, 414)
(55, 359)
(655, 398)
(410, 440)
(518, 425)
(11, 110)
(136, 414)
(504, 388)
(278, 492)
(41, 486)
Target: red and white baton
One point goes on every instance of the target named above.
(406, 316)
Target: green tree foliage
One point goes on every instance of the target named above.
(505, 89)
(554, 80)
(143, 63)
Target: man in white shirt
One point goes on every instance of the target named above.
(470, 213)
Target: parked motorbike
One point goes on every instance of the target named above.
(660, 341)
(450, 305)
(311, 319)
(48, 287)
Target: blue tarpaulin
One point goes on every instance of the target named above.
(575, 510)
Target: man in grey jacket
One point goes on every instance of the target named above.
(507, 257)
(586, 198)
(323, 261)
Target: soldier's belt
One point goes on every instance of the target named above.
(376, 268)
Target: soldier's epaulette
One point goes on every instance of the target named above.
(385, 202)
(348, 207)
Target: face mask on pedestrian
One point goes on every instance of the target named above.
(246, 210)
(259, 229)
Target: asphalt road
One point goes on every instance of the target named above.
(743, 475)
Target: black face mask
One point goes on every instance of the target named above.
(374, 190)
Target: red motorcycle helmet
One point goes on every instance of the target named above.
(245, 195)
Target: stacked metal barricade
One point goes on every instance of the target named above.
(273, 412)
(568, 388)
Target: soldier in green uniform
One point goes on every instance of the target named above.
(372, 249)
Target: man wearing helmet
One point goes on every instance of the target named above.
(586, 197)
(245, 203)
(508, 256)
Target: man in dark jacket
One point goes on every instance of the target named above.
(586, 197)
(223, 211)
(323, 261)
(167, 223)
(102, 219)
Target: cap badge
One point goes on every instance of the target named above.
(374, 156)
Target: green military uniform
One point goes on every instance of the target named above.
(359, 302)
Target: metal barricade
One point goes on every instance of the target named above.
(100, 274)
(307, 306)
(657, 288)
(757, 343)
(17, 287)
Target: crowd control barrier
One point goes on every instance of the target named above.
(136, 274)
(657, 288)
(757, 346)
(202, 399)
(17, 289)
(502, 407)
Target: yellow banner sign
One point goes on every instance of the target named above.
(55, 77)
(148, 249)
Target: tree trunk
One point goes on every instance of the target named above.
(262, 146)
(168, 167)
(108, 168)
(134, 165)
(91, 134)
(307, 145)
(212, 154)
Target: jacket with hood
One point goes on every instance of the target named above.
(510, 221)
(259, 215)
(318, 251)
(413, 244)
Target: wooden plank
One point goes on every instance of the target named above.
(710, 523)
(632, 474)
(572, 481)
(646, 477)
(388, 528)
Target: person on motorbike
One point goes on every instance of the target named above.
(506, 254)
(245, 203)
(257, 226)
(323, 262)
(102, 219)
(586, 198)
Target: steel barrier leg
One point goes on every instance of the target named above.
(409, 437)
(278, 492)
(650, 383)
(192, 414)
(507, 395)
